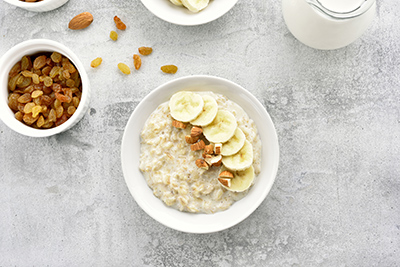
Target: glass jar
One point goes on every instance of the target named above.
(328, 24)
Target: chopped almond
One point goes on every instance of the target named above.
(213, 160)
(209, 149)
(217, 149)
(201, 164)
(226, 174)
(178, 124)
(198, 146)
(191, 140)
(196, 131)
(225, 182)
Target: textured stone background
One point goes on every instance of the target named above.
(335, 202)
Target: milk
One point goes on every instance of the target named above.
(329, 29)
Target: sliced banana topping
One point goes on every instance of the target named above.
(241, 180)
(234, 144)
(185, 106)
(209, 112)
(222, 128)
(242, 160)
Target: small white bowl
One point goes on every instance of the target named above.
(42, 6)
(32, 47)
(180, 15)
(190, 222)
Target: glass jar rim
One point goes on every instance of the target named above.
(364, 6)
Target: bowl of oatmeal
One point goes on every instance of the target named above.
(160, 167)
(174, 11)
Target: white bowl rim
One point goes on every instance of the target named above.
(272, 172)
(15, 54)
(158, 13)
(24, 4)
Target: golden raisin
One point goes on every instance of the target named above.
(29, 119)
(36, 93)
(71, 110)
(52, 115)
(35, 79)
(124, 68)
(95, 62)
(137, 61)
(145, 51)
(40, 121)
(19, 115)
(28, 107)
(36, 110)
(120, 25)
(48, 81)
(56, 57)
(39, 62)
(26, 63)
(172, 69)
(25, 98)
(46, 70)
(114, 35)
(70, 83)
(15, 69)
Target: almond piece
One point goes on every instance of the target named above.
(201, 164)
(214, 160)
(178, 124)
(81, 21)
(226, 174)
(217, 149)
(196, 131)
(198, 146)
(225, 182)
(191, 140)
(209, 149)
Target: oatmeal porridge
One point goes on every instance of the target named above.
(183, 164)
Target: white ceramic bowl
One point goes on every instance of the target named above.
(42, 6)
(180, 15)
(184, 221)
(31, 47)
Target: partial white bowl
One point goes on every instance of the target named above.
(32, 47)
(180, 15)
(184, 221)
(42, 6)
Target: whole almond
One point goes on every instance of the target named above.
(81, 21)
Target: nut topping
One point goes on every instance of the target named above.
(196, 131)
(201, 164)
(226, 174)
(191, 140)
(225, 182)
(198, 146)
(217, 149)
(209, 149)
(178, 124)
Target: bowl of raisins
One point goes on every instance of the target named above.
(37, 5)
(44, 88)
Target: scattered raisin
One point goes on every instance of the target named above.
(120, 25)
(172, 69)
(137, 61)
(124, 68)
(145, 51)
(114, 35)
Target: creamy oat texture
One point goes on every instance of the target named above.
(169, 165)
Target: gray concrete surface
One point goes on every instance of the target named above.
(335, 202)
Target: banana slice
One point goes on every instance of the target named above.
(241, 160)
(210, 110)
(176, 2)
(195, 5)
(241, 180)
(222, 127)
(185, 106)
(234, 144)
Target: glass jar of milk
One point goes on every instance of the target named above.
(328, 24)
